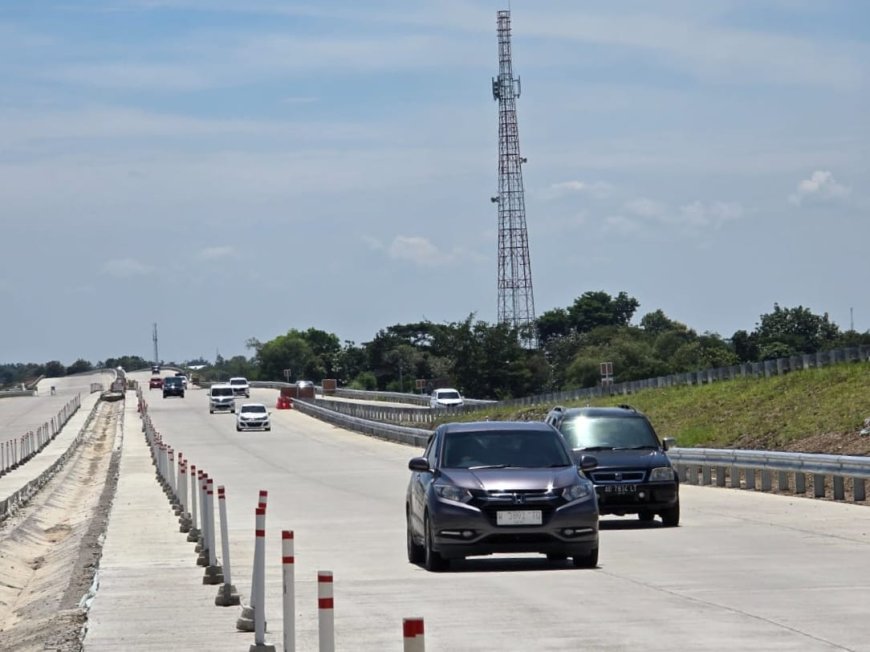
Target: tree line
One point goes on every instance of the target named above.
(486, 360)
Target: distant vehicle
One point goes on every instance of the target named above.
(634, 474)
(156, 382)
(183, 377)
(240, 386)
(499, 487)
(253, 416)
(173, 386)
(221, 397)
(446, 397)
(155, 369)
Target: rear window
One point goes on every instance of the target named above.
(221, 391)
(238, 381)
(447, 395)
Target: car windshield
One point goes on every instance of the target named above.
(172, 380)
(585, 432)
(254, 408)
(447, 395)
(501, 449)
(222, 391)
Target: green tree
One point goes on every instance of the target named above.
(594, 309)
(79, 366)
(797, 329)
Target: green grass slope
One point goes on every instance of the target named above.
(816, 410)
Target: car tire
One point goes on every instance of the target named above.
(238, 429)
(646, 517)
(268, 428)
(432, 559)
(233, 411)
(671, 516)
(416, 552)
(556, 556)
(589, 560)
(211, 411)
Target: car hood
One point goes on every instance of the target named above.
(514, 479)
(622, 459)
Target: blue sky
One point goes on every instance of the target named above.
(232, 169)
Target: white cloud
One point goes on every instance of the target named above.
(418, 250)
(647, 208)
(216, 253)
(622, 225)
(125, 268)
(597, 189)
(713, 214)
(820, 186)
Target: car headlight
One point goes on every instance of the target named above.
(452, 492)
(661, 474)
(579, 491)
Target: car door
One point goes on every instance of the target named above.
(420, 481)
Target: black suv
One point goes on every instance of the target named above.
(634, 475)
(173, 386)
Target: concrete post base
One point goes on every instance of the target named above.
(245, 622)
(227, 596)
(213, 575)
(202, 559)
(193, 535)
(261, 648)
(198, 546)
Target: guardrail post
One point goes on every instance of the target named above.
(766, 480)
(839, 487)
(750, 479)
(818, 485)
(720, 476)
(800, 482)
(782, 481)
(858, 490)
(706, 478)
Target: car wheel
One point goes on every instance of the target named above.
(589, 560)
(432, 559)
(671, 517)
(233, 411)
(646, 517)
(556, 556)
(238, 429)
(268, 428)
(416, 552)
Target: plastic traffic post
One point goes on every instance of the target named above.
(245, 621)
(288, 565)
(213, 571)
(413, 634)
(227, 594)
(325, 613)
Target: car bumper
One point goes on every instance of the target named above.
(649, 496)
(569, 530)
(223, 406)
(254, 425)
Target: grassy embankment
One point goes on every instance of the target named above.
(816, 410)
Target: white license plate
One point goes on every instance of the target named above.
(620, 489)
(519, 517)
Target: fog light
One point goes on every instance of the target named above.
(467, 534)
(641, 494)
(568, 532)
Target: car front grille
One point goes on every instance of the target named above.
(618, 476)
(491, 502)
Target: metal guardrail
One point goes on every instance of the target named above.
(741, 468)
(700, 466)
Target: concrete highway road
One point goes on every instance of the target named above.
(744, 570)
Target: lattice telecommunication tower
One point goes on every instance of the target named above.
(516, 302)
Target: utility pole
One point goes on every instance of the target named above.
(156, 356)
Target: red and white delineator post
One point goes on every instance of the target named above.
(260, 592)
(245, 622)
(227, 595)
(213, 571)
(288, 567)
(193, 534)
(412, 630)
(325, 612)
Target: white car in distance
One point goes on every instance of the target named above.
(240, 386)
(445, 397)
(253, 416)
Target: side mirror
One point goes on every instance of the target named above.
(668, 443)
(419, 464)
(587, 462)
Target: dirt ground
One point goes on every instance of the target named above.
(50, 550)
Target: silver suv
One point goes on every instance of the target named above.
(221, 397)
(240, 386)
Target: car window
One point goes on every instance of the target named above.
(608, 432)
(255, 408)
(222, 391)
(448, 395)
(530, 449)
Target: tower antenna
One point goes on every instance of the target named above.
(156, 357)
(516, 302)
